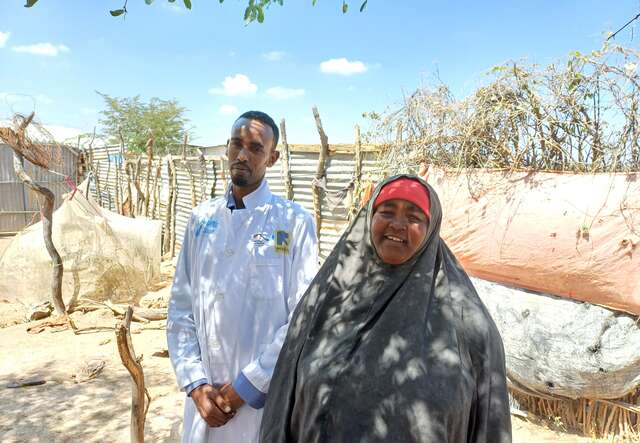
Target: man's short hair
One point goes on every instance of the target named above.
(263, 118)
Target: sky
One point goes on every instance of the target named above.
(56, 55)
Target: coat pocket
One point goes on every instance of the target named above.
(266, 279)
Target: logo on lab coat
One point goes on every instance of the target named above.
(206, 226)
(282, 241)
(260, 238)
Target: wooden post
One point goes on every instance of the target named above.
(117, 190)
(129, 211)
(192, 182)
(147, 194)
(167, 221)
(106, 186)
(203, 175)
(223, 171)
(355, 201)
(286, 171)
(184, 147)
(155, 211)
(139, 396)
(320, 171)
(94, 167)
(215, 179)
(174, 177)
(140, 195)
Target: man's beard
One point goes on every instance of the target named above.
(239, 181)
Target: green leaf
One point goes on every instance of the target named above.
(260, 14)
(148, 2)
(30, 3)
(364, 5)
(117, 12)
(187, 3)
(247, 13)
(313, 3)
(345, 7)
(172, 1)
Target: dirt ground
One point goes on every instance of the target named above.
(98, 410)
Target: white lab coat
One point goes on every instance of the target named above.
(236, 284)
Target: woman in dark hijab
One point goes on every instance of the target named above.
(391, 342)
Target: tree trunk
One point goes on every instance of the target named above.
(139, 404)
(46, 212)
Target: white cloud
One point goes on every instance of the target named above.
(4, 36)
(47, 49)
(63, 133)
(228, 110)
(342, 66)
(280, 93)
(239, 84)
(274, 56)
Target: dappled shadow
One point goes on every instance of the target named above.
(97, 410)
(382, 353)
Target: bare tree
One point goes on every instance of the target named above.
(41, 155)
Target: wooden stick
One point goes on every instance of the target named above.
(286, 171)
(192, 182)
(140, 195)
(215, 179)
(147, 193)
(139, 396)
(96, 176)
(355, 201)
(167, 221)
(173, 209)
(184, 147)
(320, 171)
(128, 166)
(203, 175)
(155, 212)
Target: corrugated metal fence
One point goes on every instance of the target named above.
(18, 204)
(198, 179)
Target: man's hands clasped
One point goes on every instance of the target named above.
(216, 406)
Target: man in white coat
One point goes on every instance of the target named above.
(246, 260)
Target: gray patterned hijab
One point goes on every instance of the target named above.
(377, 352)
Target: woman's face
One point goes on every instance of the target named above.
(398, 229)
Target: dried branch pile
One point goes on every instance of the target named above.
(581, 116)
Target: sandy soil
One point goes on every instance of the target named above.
(98, 410)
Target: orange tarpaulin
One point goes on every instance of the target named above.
(572, 235)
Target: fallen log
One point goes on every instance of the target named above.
(564, 347)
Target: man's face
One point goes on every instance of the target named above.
(250, 151)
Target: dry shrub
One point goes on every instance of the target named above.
(580, 116)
